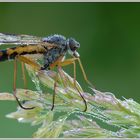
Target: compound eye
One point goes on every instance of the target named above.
(73, 44)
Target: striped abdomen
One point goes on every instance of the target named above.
(11, 53)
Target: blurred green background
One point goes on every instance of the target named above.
(109, 34)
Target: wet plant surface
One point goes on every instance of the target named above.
(106, 116)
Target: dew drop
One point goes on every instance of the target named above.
(20, 119)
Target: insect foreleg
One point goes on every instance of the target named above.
(84, 74)
(72, 61)
(68, 62)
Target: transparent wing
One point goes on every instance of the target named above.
(13, 39)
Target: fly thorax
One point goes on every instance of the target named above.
(53, 55)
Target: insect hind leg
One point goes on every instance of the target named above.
(14, 87)
(23, 75)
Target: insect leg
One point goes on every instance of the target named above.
(15, 73)
(29, 62)
(59, 71)
(54, 93)
(84, 74)
(74, 67)
(68, 62)
(24, 76)
(15, 77)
